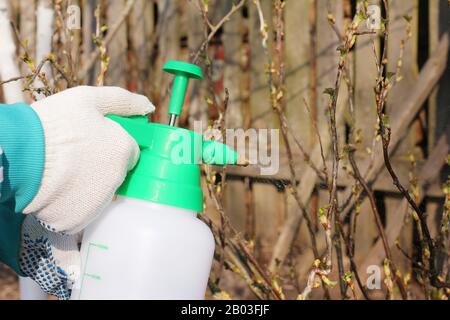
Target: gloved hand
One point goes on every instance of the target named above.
(87, 157)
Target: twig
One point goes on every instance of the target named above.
(378, 221)
(319, 138)
(353, 266)
(214, 29)
(15, 79)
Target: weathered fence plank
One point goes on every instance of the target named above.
(265, 196)
(398, 33)
(365, 67)
(299, 56)
(169, 49)
(117, 50)
(88, 30)
(141, 30)
(232, 39)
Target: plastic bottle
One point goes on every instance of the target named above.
(149, 243)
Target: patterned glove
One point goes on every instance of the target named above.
(51, 259)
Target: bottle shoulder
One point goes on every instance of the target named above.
(136, 215)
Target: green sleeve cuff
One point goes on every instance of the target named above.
(22, 141)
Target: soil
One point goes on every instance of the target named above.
(9, 285)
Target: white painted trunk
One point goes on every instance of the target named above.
(8, 62)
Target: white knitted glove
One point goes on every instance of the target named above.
(87, 157)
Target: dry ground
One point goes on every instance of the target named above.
(9, 286)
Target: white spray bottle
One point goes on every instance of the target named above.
(149, 243)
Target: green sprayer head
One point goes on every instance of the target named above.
(168, 170)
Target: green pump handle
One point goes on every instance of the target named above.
(183, 72)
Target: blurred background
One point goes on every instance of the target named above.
(331, 222)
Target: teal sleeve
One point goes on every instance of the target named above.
(22, 165)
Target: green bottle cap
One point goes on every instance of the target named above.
(168, 170)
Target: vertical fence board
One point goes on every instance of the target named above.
(117, 50)
(327, 57)
(141, 29)
(233, 80)
(364, 81)
(262, 115)
(409, 72)
(265, 196)
(28, 23)
(27, 12)
(88, 30)
(398, 10)
(27, 28)
(365, 120)
(232, 42)
(197, 105)
(433, 37)
(433, 208)
(443, 98)
(297, 67)
(298, 64)
(327, 62)
(169, 49)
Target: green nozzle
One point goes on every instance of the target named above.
(183, 72)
